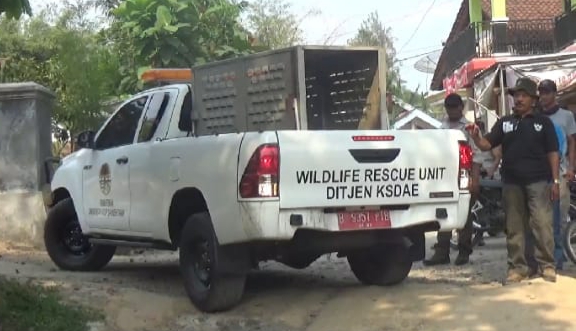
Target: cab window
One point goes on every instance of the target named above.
(121, 128)
(154, 113)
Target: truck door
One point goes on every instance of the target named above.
(106, 175)
(146, 171)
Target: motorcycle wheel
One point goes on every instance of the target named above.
(570, 241)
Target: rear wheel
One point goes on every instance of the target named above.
(570, 240)
(67, 246)
(381, 265)
(202, 265)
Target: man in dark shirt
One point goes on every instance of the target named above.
(530, 166)
(455, 120)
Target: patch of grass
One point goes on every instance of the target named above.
(29, 307)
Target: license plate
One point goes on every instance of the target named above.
(372, 219)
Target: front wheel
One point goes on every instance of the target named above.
(381, 265)
(202, 264)
(67, 246)
(570, 241)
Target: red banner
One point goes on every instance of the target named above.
(463, 77)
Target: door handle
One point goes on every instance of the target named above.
(122, 160)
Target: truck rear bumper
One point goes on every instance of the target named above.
(266, 221)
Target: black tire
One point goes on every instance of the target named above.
(381, 265)
(209, 286)
(570, 241)
(68, 248)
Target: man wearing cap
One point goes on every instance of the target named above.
(530, 174)
(566, 130)
(455, 120)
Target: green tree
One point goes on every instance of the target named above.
(177, 33)
(274, 25)
(15, 8)
(372, 32)
(106, 5)
(66, 57)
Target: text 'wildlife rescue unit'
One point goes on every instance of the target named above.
(397, 182)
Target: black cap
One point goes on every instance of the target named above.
(524, 84)
(547, 85)
(453, 100)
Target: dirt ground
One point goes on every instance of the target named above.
(144, 292)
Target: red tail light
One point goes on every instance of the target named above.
(465, 164)
(465, 155)
(260, 178)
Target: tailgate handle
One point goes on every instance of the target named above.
(375, 155)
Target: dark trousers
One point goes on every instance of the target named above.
(528, 209)
(560, 214)
(464, 236)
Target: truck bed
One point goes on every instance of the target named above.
(308, 88)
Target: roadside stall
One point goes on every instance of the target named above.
(491, 103)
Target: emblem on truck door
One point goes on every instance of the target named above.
(105, 179)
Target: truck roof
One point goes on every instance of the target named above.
(163, 87)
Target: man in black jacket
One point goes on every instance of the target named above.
(530, 166)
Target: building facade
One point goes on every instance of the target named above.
(485, 31)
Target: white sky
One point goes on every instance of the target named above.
(341, 19)
(402, 16)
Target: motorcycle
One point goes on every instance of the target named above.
(570, 233)
(487, 213)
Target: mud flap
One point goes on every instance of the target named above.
(417, 245)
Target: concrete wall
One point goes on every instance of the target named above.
(25, 142)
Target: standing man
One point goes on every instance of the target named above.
(455, 120)
(566, 129)
(530, 172)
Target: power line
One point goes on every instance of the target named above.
(418, 55)
(418, 26)
(412, 14)
(386, 23)
(419, 49)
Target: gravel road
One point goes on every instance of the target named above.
(144, 292)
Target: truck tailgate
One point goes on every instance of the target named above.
(368, 168)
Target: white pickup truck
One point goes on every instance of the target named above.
(227, 201)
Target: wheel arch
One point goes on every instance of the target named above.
(185, 202)
(61, 193)
(58, 195)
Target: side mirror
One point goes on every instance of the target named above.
(86, 139)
